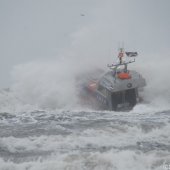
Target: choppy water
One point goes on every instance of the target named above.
(87, 140)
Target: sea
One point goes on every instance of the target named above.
(44, 127)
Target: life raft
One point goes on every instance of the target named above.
(124, 75)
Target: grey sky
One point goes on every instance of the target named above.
(39, 29)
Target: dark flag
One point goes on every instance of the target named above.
(131, 54)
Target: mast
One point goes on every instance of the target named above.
(121, 54)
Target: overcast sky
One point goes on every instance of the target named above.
(41, 29)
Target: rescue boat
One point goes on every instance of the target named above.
(116, 89)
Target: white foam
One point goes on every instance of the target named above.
(121, 160)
